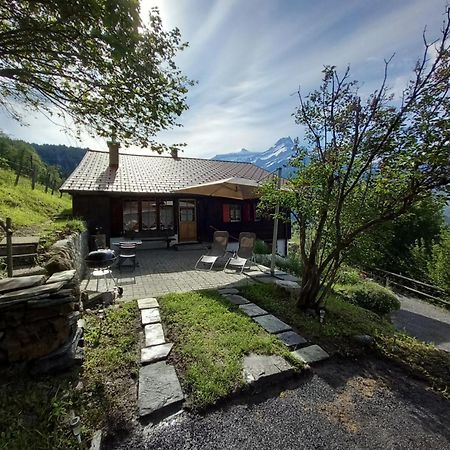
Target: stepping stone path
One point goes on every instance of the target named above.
(159, 390)
(252, 310)
(262, 368)
(266, 366)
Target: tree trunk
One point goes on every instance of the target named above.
(310, 287)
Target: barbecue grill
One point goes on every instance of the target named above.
(99, 263)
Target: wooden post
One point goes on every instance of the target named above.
(7, 226)
(275, 228)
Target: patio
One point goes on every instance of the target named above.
(161, 271)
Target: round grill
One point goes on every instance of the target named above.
(100, 259)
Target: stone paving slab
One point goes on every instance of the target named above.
(236, 299)
(155, 353)
(150, 316)
(146, 303)
(311, 354)
(271, 324)
(66, 275)
(228, 291)
(291, 338)
(154, 334)
(159, 389)
(262, 368)
(252, 310)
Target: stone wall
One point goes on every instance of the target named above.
(68, 254)
(38, 315)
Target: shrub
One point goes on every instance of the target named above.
(370, 295)
(348, 275)
(261, 248)
(438, 267)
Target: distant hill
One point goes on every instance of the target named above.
(276, 156)
(67, 158)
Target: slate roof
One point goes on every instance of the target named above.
(152, 174)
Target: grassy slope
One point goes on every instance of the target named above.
(211, 336)
(344, 320)
(26, 206)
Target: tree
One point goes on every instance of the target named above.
(366, 161)
(95, 62)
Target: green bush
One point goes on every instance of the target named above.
(261, 248)
(439, 266)
(369, 295)
(348, 275)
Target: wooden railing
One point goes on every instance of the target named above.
(412, 286)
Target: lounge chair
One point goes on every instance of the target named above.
(218, 249)
(244, 253)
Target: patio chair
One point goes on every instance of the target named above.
(244, 253)
(218, 249)
(127, 252)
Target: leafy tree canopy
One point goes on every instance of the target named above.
(95, 62)
(367, 160)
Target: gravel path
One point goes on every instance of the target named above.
(342, 405)
(424, 321)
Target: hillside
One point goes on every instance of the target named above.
(26, 206)
(67, 158)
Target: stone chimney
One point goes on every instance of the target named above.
(113, 147)
(174, 153)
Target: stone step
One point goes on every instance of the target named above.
(260, 370)
(29, 271)
(252, 310)
(155, 353)
(154, 334)
(149, 316)
(271, 324)
(311, 354)
(236, 299)
(224, 291)
(159, 390)
(147, 303)
(291, 339)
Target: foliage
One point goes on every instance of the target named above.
(439, 265)
(66, 158)
(211, 337)
(94, 62)
(36, 411)
(26, 206)
(348, 275)
(344, 320)
(261, 248)
(110, 369)
(366, 161)
(369, 295)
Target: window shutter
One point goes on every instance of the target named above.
(226, 213)
(247, 212)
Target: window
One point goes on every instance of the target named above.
(149, 216)
(235, 213)
(187, 210)
(166, 215)
(131, 216)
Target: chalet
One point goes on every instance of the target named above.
(130, 195)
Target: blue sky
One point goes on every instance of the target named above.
(250, 56)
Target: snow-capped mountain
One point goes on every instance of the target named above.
(276, 156)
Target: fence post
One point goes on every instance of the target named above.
(7, 226)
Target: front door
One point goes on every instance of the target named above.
(187, 221)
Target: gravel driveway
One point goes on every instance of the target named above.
(342, 405)
(426, 322)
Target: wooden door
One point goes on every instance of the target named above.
(187, 229)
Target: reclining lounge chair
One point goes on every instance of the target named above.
(218, 249)
(244, 253)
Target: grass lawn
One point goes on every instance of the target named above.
(211, 336)
(35, 411)
(343, 320)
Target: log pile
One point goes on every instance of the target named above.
(38, 316)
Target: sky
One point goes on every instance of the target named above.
(249, 58)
